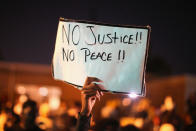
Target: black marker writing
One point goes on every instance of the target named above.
(90, 27)
(140, 35)
(68, 55)
(64, 33)
(99, 55)
(76, 26)
(115, 38)
(101, 42)
(121, 55)
(110, 39)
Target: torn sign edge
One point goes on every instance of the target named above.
(143, 89)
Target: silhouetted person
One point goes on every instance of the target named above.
(107, 124)
(173, 118)
(28, 116)
(12, 120)
(192, 112)
(129, 128)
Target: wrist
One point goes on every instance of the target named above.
(85, 112)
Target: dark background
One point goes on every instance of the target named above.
(28, 29)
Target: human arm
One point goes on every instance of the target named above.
(89, 94)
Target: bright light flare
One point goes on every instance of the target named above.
(133, 95)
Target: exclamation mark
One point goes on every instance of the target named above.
(136, 36)
(140, 37)
(119, 54)
(123, 55)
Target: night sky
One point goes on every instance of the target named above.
(28, 30)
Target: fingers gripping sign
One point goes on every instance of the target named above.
(90, 93)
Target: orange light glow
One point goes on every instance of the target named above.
(3, 119)
(23, 99)
(107, 111)
(54, 102)
(72, 112)
(18, 108)
(21, 90)
(44, 109)
(43, 91)
(124, 121)
(167, 127)
(143, 104)
(126, 101)
(139, 123)
(169, 104)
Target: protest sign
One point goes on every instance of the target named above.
(116, 54)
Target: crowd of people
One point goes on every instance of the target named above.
(116, 115)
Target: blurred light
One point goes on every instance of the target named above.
(43, 91)
(54, 102)
(72, 112)
(139, 122)
(126, 101)
(167, 127)
(124, 121)
(21, 90)
(156, 121)
(3, 120)
(107, 111)
(47, 123)
(18, 108)
(62, 109)
(23, 98)
(113, 103)
(44, 109)
(133, 95)
(143, 105)
(169, 104)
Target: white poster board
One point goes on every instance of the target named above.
(115, 54)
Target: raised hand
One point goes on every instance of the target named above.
(89, 94)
